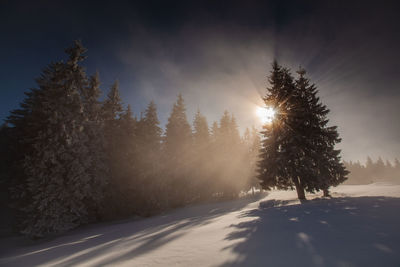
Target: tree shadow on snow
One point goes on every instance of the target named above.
(348, 231)
(135, 238)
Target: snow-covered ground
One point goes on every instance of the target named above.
(360, 226)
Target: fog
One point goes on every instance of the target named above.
(225, 66)
(218, 56)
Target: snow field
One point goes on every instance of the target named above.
(359, 226)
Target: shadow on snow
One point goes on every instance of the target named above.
(134, 237)
(348, 231)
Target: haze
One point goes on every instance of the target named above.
(218, 57)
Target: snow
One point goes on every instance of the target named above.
(359, 226)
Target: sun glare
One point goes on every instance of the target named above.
(266, 115)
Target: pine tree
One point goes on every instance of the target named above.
(224, 131)
(233, 131)
(201, 154)
(229, 152)
(58, 192)
(253, 143)
(127, 177)
(298, 147)
(128, 122)
(94, 129)
(178, 133)
(276, 167)
(148, 134)
(177, 146)
(227, 133)
(90, 96)
(112, 106)
(318, 140)
(214, 132)
(201, 134)
(112, 113)
(149, 131)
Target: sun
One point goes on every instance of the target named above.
(265, 114)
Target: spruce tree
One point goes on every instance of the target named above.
(90, 97)
(94, 129)
(148, 137)
(229, 152)
(224, 131)
(127, 176)
(112, 112)
(201, 154)
(149, 131)
(58, 191)
(178, 133)
(318, 140)
(234, 131)
(276, 166)
(298, 147)
(112, 106)
(252, 143)
(201, 134)
(214, 132)
(177, 146)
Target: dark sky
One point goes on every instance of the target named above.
(218, 53)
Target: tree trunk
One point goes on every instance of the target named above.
(326, 192)
(300, 189)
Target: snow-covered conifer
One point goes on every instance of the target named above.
(58, 190)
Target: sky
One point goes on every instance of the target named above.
(218, 55)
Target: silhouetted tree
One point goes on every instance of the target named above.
(278, 164)
(253, 144)
(113, 116)
(149, 131)
(94, 130)
(177, 147)
(299, 147)
(229, 158)
(148, 158)
(201, 134)
(318, 140)
(178, 134)
(129, 184)
(201, 154)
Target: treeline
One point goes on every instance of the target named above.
(373, 171)
(69, 159)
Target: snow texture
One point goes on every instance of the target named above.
(358, 227)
